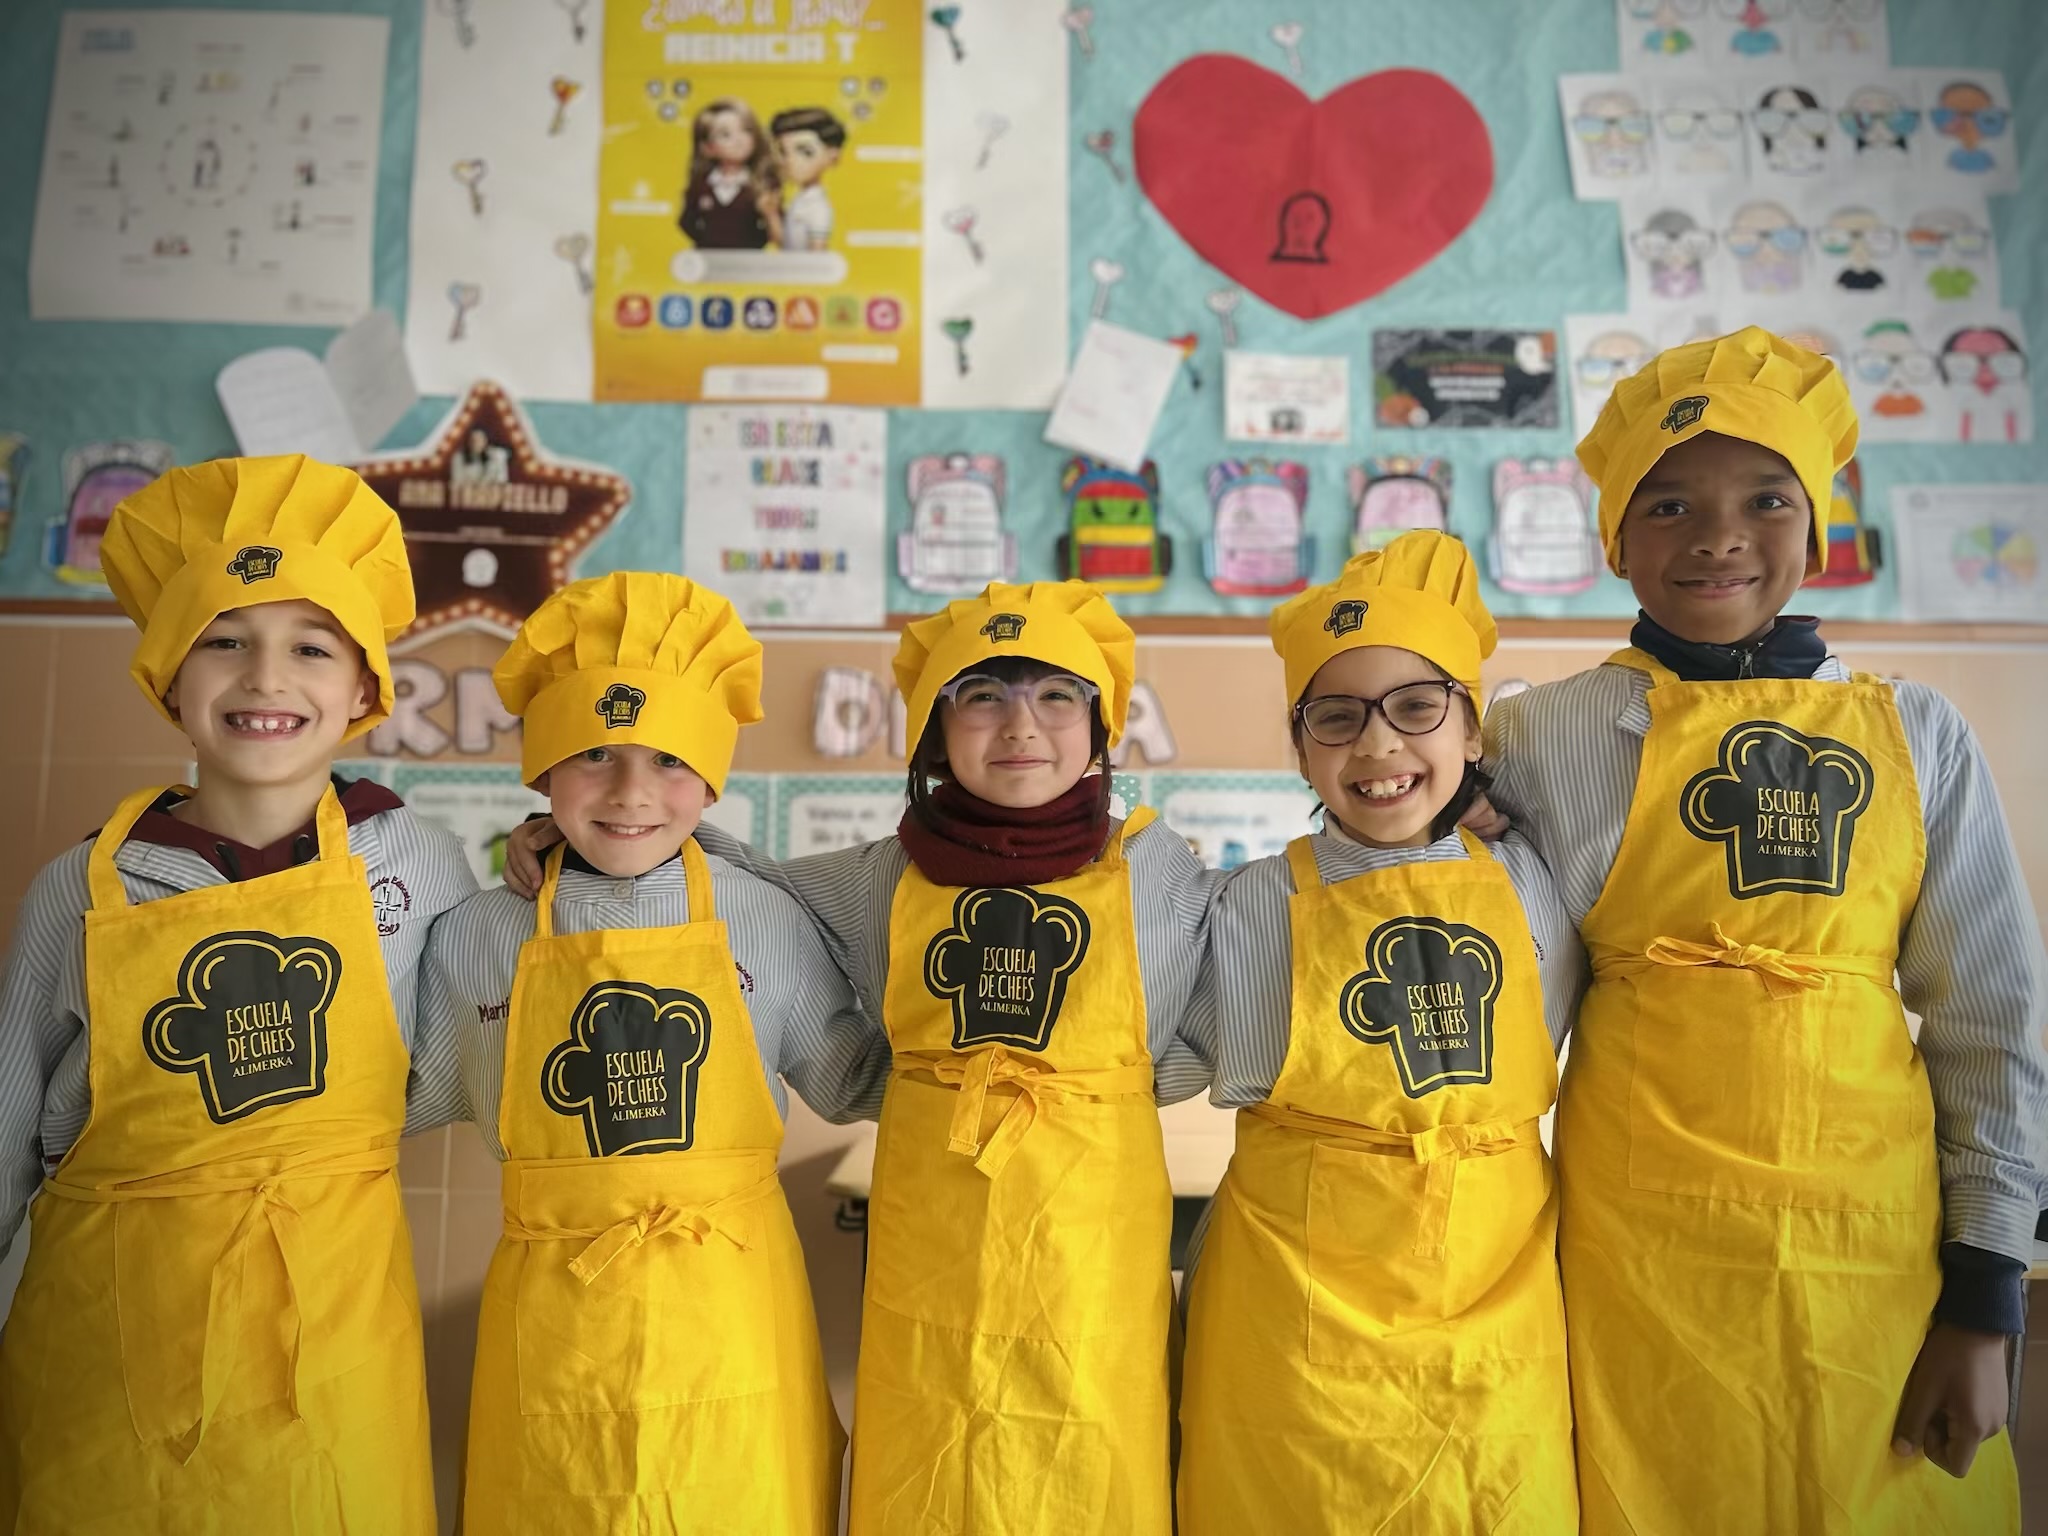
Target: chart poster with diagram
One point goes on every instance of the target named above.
(760, 210)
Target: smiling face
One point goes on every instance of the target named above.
(1716, 539)
(1008, 756)
(1385, 789)
(626, 809)
(267, 692)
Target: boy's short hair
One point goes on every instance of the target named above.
(830, 131)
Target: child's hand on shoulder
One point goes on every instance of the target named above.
(1484, 820)
(524, 845)
(1955, 1399)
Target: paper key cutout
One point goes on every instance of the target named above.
(1312, 205)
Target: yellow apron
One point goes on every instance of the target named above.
(1013, 1360)
(1752, 1209)
(1376, 1336)
(218, 1329)
(647, 1357)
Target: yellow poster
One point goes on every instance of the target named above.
(760, 201)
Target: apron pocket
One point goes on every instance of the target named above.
(672, 1321)
(1817, 1101)
(1373, 1303)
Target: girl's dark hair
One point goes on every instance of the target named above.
(1474, 784)
(928, 757)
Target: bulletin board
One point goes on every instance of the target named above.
(1531, 256)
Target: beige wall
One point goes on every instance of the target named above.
(77, 736)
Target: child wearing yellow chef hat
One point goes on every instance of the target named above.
(1029, 957)
(207, 1030)
(1770, 1193)
(647, 1350)
(1375, 1332)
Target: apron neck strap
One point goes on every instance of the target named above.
(544, 898)
(103, 879)
(697, 882)
(1643, 661)
(1474, 847)
(1301, 863)
(1133, 824)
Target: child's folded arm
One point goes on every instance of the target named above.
(1560, 956)
(466, 980)
(1251, 950)
(1170, 896)
(1971, 965)
(37, 1028)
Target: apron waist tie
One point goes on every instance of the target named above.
(268, 1208)
(1439, 1150)
(1036, 1084)
(1783, 975)
(699, 1222)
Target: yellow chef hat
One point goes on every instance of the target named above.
(1065, 624)
(1751, 385)
(231, 533)
(638, 658)
(1420, 593)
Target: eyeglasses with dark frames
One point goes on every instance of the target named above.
(1339, 719)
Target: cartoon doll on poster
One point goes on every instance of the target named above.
(808, 143)
(733, 201)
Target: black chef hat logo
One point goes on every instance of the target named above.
(1683, 413)
(255, 562)
(620, 706)
(249, 1021)
(1427, 994)
(629, 1067)
(1004, 627)
(1784, 807)
(1004, 964)
(1345, 617)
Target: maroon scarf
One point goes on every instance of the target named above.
(964, 840)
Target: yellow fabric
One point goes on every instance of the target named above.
(1065, 624)
(1420, 593)
(231, 533)
(636, 658)
(1751, 1203)
(217, 1330)
(647, 1354)
(1013, 1360)
(1750, 385)
(1375, 1331)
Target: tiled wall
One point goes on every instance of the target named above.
(75, 736)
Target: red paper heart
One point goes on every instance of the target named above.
(1312, 205)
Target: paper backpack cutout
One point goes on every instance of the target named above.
(1544, 541)
(1113, 537)
(956, 542)
(13, 465)
(1854, 554)
(1395, 494)
(1258, 548)
(97, 476)
(1312, 205)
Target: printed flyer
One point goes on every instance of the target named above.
(760, 214)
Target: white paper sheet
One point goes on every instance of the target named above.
(284, 400)
(1971, 553)
(1278, 398)
(209, 166)
(1113, 395)
(786, 511)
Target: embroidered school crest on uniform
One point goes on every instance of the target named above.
(1345, 617)
(621, 705)
(390, 901)
(1004, 627)
(255, 562)
(1683, 413)
(1784, 807)
(1004, 964)
(629, 1067)
(249, 1021)
(1427, 993)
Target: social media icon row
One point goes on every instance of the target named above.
(801, 312)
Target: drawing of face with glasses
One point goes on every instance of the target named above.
(1898, 368)
(1702, 135)
(1966, 113)
(1841, 26)
(1792, 131)
(1858, 239)
(1755, 21)
(1987, 375)
(1953, 247)
(1879, 124)
(1613, 132)
(1675, 249)
(1769, 248)
(1666, 33)
(1609, 358)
